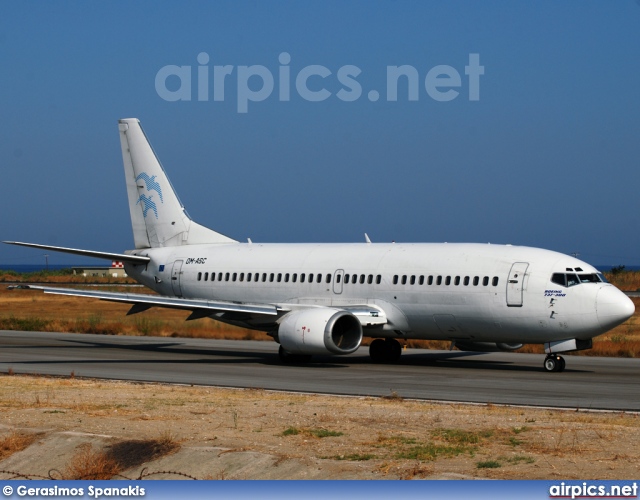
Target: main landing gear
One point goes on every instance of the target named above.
(293, 359)
(554, 363)
(385, 350)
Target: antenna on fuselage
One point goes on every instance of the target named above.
(366, 238)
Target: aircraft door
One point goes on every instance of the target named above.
(515, 284)
(176, 273)
(338, 278)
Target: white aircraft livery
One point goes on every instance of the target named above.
(324, 298)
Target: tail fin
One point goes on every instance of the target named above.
(157, 215)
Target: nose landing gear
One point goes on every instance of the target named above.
(554, 363)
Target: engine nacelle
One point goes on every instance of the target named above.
(487, 346)
(320, 331)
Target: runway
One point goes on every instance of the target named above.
(499, 378)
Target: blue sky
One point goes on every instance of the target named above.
(548, 156)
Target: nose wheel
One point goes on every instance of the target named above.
(554, 363)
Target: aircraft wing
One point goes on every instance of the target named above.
(141, 302)
(368, 315)
(136, 259)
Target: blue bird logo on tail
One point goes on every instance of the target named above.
(151, 184)
(147, 204)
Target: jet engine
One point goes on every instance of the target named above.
(320, 331)
(487, 346)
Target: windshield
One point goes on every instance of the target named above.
(571, 279)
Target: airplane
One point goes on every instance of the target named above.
(323, 298)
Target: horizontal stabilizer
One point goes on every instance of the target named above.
(160, 301)
(136, 259)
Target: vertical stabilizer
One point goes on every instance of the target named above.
(157, 215)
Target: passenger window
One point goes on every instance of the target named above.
(476, 280)
(294, 278)
(485, 281)
(439, 280)
(413, 280)
(495, 281)
(421, 280)
(346, 279)
(199, 276)
(338, 278)
(430, 281)
(361, 279)
(226, 276)
(248, 276)
(271, 277)
(448, 281)
(404, 279)
(241, 276)
(302, 277)
(206, 276)
(457, 280)
(279, 277)
(378, 279)
(466, 281)
(286, 278)
(395, 279)
(235, 276)
(354, 279)
(219, 276)
(370, 279)
(328, 278)
(264, 277)
(213, 276)
(319, 278)
(256, 277)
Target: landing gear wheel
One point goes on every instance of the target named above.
(289, 358)
(385, 351)
(554, 363)
(394, 350)
(377, 351)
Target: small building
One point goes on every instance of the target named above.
(115, 271)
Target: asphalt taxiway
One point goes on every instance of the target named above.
(498, 378)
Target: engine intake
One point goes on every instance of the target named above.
(320, 331)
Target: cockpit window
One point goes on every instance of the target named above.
(589, 278)
(571, 279)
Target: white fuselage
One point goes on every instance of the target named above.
(473, 292)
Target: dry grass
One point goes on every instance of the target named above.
(15, 442)
(96, 464)
(89, 463)
(399, 438)
(627, 280)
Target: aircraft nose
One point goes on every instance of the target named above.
(613, 307)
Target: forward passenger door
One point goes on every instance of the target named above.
(515, 284)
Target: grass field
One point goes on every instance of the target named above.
(28, 310)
